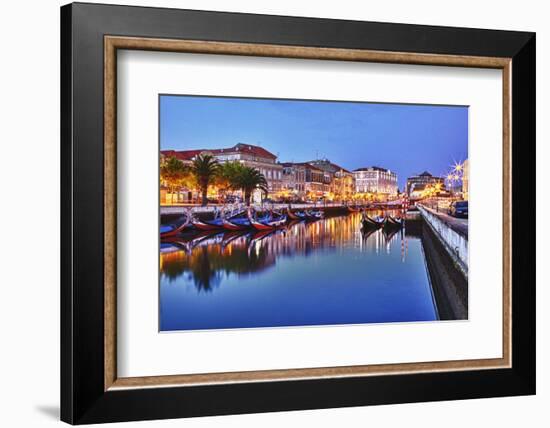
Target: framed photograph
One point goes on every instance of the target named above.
(265, 213)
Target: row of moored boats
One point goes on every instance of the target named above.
(388, 221)
(248, 219)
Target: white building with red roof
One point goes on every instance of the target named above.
(247, 154)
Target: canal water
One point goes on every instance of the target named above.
(324, 273)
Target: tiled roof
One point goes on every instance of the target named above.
(238, 148)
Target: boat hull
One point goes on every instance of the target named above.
(268, 225)
(393, 223)
(229, 225)
(176, 230)
(202, 225)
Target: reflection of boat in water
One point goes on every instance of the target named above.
(169, 247)
(390, 232)
(256, 238)
(229, 237)
(170, 230)
(194, 239)
(366, 232)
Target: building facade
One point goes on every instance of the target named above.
(420, 181)
(294, 179)
(342, 182)
(317, 183)
(375, 180)
(246, 154)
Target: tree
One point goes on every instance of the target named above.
(250, 179)
(228, 175)
(205, 169)
(175, 174)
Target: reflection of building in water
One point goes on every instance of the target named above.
(245, 253)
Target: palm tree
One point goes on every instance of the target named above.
(205, 169)
(175, 174)
(250, 179)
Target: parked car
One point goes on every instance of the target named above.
(459, 209)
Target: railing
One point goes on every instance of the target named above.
(455, 243)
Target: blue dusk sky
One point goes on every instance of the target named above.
(407, 139)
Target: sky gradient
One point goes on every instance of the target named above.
(407, 139)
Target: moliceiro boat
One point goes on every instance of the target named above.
(393, 222)
(372, 223)
(272, 222)
(297, 215)
(219, 222)
(171, 230)
(314, 215)
(307, 215)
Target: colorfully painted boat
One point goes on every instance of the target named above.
(241, 223)
(314, 215)
(215, 224)
(171, 230)
(272, 222)
(297, 215)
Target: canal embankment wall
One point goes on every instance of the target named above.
(453, 238)
(449, 285)
(446, 253)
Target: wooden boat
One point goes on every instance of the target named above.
(171, 230)
(268, 224)
(314, 215)
(215, 224)
(371, 223)
(239, 223)
(394, 222)
(298, 215)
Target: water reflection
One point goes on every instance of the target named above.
(326, 272)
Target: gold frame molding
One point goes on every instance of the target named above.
(113, 43)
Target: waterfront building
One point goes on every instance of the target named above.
(416, 182)
(294, 179)
(465, 179)
(342, 181)
(247, 154)
(375, 180)
(317, 183)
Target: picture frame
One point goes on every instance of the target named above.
(91, 391)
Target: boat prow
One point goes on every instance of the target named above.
(169, 231)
